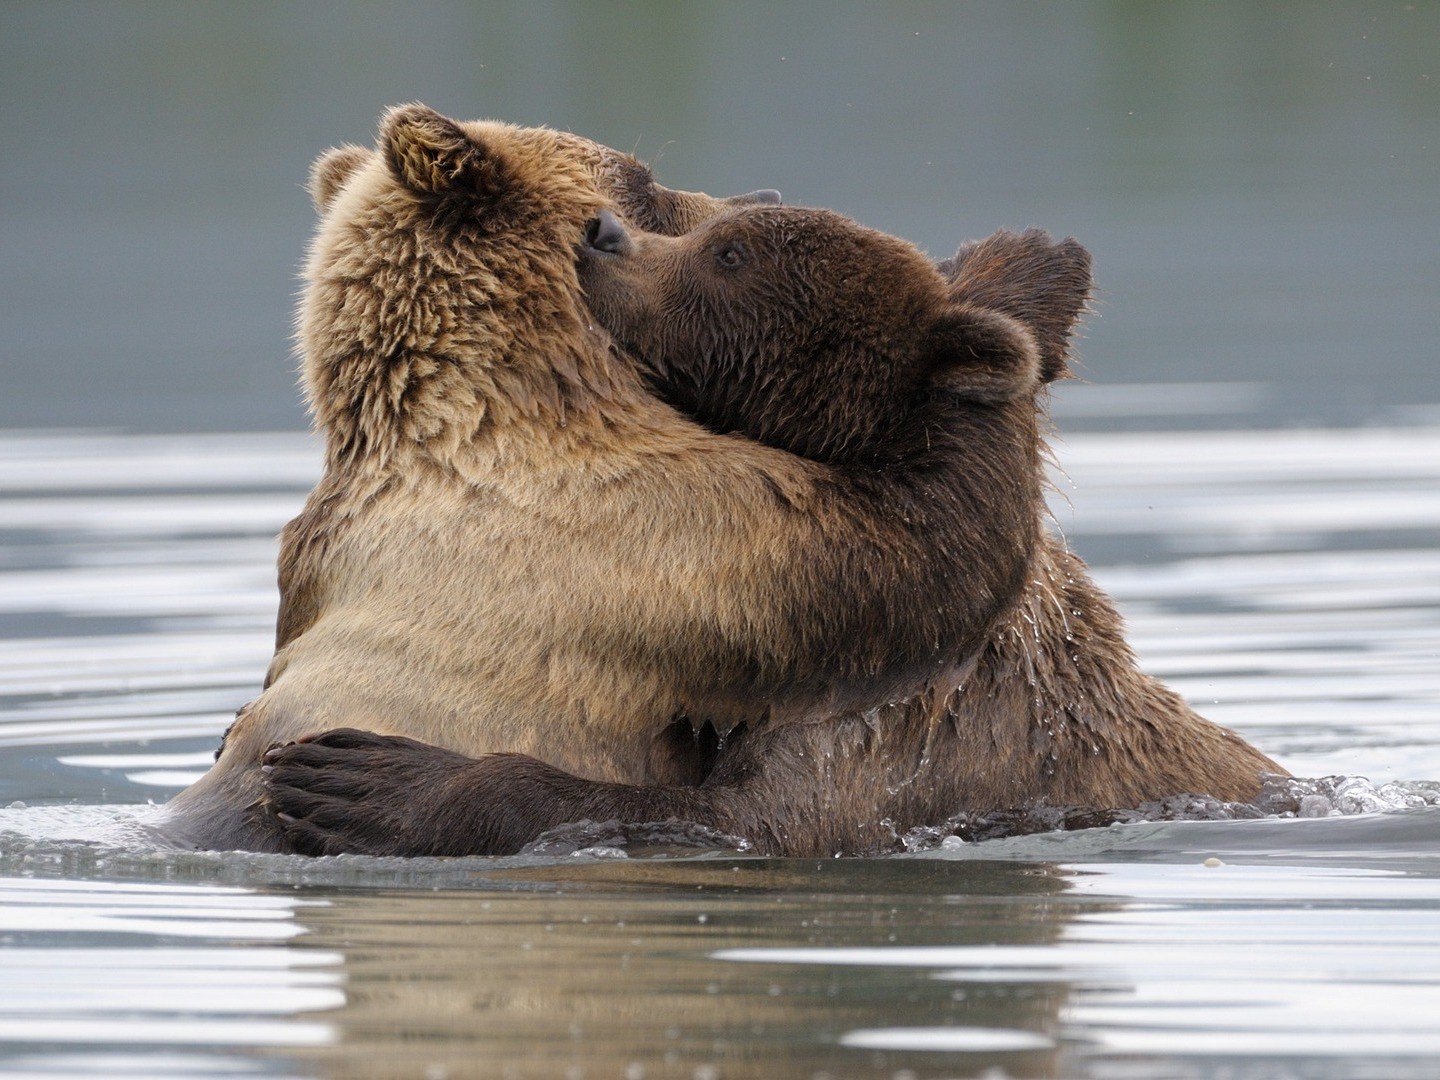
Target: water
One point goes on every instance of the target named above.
(1287, 581)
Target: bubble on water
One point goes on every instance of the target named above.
(925, 838)
(1336, 796)
(1280, 797)
(601, 852)
(1328, 796)
(617, 839)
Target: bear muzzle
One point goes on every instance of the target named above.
(606, 235)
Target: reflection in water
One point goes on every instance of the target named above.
(154, 979)
(734, 967)
(1204, 963)
(610, 970)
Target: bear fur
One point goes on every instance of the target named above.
(804, 331)
(516, 547)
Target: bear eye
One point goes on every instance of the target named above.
(730, 256)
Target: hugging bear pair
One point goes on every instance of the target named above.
(640, 504)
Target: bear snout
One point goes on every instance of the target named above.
(605, 233)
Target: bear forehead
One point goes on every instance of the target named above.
(542, 158)
(796, 233)
(826, 255)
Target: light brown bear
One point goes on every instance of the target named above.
(515, 546)
(819, 337)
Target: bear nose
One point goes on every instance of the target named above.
(763, 197)
(605, 233)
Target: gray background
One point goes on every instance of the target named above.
(1259, 182)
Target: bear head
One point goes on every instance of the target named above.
(804, 330)
(441, 290)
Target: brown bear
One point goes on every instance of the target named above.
(515, 546)
(805, 331)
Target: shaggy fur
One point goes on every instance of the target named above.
(516, 547)
(930, 563)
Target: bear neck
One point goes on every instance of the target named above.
(1057, 673)
(1067, 717)
(1061, 632)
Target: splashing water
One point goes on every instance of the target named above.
(1280, 798)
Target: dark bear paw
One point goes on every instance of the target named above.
(349, 791)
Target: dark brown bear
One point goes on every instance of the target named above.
(515, 546)
(801, 329)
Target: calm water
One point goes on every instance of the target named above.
(1287, 581)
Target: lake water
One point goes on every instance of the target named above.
(1287, 581)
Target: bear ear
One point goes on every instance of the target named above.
(985, 355)
(432, 155)
(331, 170)
(1043, 283)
